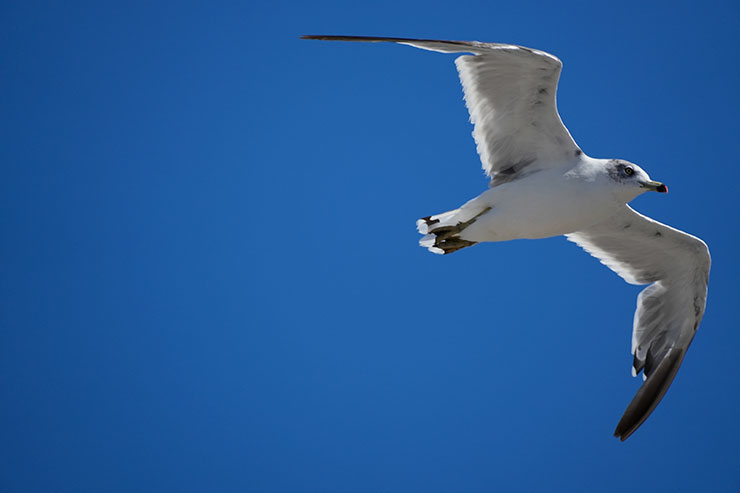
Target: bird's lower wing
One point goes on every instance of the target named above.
(669, 310)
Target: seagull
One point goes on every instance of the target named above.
(543, 185)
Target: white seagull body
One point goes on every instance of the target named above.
(543, 185)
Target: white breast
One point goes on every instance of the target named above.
(544, 204)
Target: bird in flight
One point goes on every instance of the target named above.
(544, 185)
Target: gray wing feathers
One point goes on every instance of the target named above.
(439, 45)
(510, 94)
(669, 310)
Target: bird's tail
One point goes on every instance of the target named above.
(442, 231)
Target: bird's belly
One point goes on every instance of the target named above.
(516, 215)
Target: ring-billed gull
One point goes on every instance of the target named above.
(543, 185)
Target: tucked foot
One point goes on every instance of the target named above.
(445, 239)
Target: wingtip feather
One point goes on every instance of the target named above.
(650, 394)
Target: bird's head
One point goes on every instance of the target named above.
(632, 180)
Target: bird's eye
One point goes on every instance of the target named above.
(629, 171)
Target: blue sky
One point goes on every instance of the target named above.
(211, 278)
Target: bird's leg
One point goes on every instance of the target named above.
(446, 237)
(445, 232)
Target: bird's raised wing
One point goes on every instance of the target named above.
(676, 265)
(510, 94)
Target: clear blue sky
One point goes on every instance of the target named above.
(211, 278)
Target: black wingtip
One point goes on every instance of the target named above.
(650, 394)
(324, 37)
(386, 39)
